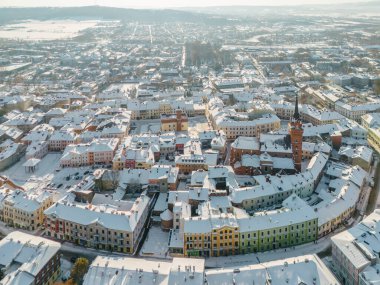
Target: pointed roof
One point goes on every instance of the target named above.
(296, 114)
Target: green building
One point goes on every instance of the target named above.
(296, 223)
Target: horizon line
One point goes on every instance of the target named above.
(193, 7)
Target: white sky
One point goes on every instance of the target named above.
(163, 3)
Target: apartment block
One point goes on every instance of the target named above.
(29, 260)
(116, 227)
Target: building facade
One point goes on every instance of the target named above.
(25, 211)
(296, 133)
(98, 226)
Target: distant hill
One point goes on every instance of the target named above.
(98, 12)
(370, 7)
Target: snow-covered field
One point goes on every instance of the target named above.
(45, 30)
(48, 174)
(156, 243)
(44, 169)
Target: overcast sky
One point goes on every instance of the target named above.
(163, 3)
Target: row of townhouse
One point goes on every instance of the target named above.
(160, 178)
(154, 109)
(99, 151)
(115, 227)
(10, 153)
(106, 129)
(308, 114)
(356, 111)
(39, 133)
(133, 158)
(235, 124)
(141, 151)
(337, 205)
(271, 190)
(221, 233)
(60, 139)
(25, 210)
(193, 158)
(221, 229)
(24, 122)
(275, 145)
(355, 252)
(29, 260)
(334, 98)
(211, 236)
(372, 124)
(306, 269)
(337, 199)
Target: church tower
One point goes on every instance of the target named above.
(296, 134)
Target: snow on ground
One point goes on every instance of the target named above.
(4, 229)
(197, 125)
(48, 174)
(45, 30)
(245, 180)
(46, 167)
(256, 258)
(156, 243)
(65, 269)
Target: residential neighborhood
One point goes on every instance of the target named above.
(201, 145)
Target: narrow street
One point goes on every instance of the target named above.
(374, 198)
(228, 154)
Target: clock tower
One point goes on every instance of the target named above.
(296, 134)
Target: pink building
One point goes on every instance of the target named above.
(99, 151)
(59, 140)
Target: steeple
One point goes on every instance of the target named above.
(296, 115)
(296, 134)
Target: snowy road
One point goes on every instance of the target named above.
(254, 258)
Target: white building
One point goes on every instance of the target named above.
(308, 269)
(355, 252)
(125, 270)
(27, 260)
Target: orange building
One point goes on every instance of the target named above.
(296, 134)
(244, 145)
(174, 122)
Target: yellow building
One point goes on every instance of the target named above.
(165, 108)
(372, 123)
(212, 236)
(225, 238)
(25, 210)
(174, 122)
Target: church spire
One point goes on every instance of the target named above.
(296, 114)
